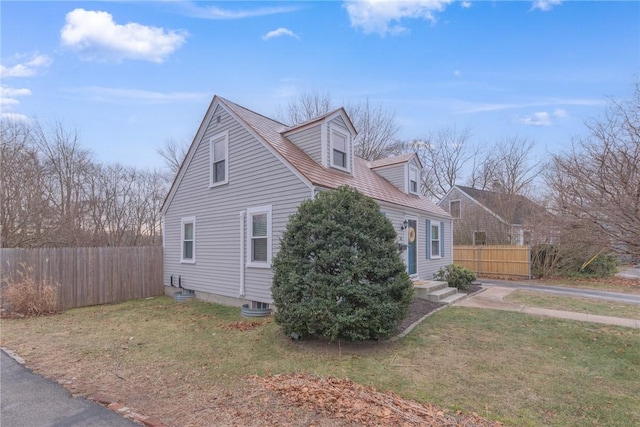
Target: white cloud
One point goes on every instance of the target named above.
(97, 37)
(28, 68)
(280, 32)
(544, 118)
(8, 95)
(138, 96)
(457, 73)
(384, 17)
(465, 4)
(12, 92)
(541, 118)
(560, 113)
(468, 108)
(214, 12)
(545, 5)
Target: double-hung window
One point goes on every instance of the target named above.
(188, 240)
(219, 159)
(413, 179)
(259, 236)
(435, 240)
(339, 149)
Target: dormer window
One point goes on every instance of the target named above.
(413, 180)
(339, 149)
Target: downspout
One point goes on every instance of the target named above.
(242, 253)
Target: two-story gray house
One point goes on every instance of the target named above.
(245, 174)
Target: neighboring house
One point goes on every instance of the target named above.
(245, 175)
(484, 217)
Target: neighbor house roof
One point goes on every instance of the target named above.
(513, 208)
(363, 179)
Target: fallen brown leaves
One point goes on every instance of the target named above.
(241, 326)
(344, 399)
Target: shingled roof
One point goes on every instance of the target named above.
(510, 207)
(363, 179)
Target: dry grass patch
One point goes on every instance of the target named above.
(26, 297)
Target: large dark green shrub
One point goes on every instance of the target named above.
(456, 276)
(338, 273)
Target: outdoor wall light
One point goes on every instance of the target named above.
(404, 225)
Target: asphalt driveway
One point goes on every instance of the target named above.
(30, 400)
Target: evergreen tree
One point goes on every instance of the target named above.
(338, 273)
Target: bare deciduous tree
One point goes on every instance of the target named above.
(306, 106)
(443, 154)
(21, 202)
(376, 126)
(506, 166)
(596, 184)
(66, 166)
(54, 194)
(173, 153)
(377, 131)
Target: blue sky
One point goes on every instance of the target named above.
(130, 75)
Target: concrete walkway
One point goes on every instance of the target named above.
(493, 298)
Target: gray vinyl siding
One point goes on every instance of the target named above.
(256, 178)
(395, 174)
(309, 140)
(426, 267)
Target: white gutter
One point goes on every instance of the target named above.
(242, 253)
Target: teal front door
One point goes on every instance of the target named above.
(412, 233)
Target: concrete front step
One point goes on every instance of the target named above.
(453, 298)
(441, 294)
(424, 287)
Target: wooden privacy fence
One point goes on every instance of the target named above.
(509, 262)
(90, 276)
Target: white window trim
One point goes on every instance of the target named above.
(413, 168)
(216, 137)
(183, 221)
(250, 214)
(459, 210)
(336, 129)
(435, 224)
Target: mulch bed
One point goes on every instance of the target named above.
(421, 307)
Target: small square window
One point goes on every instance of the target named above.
(479, 237)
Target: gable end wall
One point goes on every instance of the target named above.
(256, 178)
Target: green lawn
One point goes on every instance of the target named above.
(511, 367)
